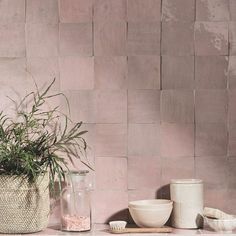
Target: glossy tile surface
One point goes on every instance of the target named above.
(178, 10)
(184, 32)
(143, 38)
(211, 72)
(154, 82)
(76, 11)
(211, 38)
(212, 10)
(75, 39)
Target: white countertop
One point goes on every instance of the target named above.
(103, 230)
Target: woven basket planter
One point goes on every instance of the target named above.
(24, 207)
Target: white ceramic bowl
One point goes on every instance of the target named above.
(219, 225)
(150, 217)
(152, 204)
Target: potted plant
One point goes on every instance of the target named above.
(34, 152)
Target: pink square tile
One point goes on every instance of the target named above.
(213, 170)
(111, 173)
(111, 106)
(144, 11)
(87, 106)
(211, 139)
(231, 106)
(144, 72)
(13, 12)
(231, 173)
(143, 38)
(177, 72)
(77, 73)
(232, 8)
(177, 168)
(212, 10)
(139, 177)
(232, 38)
(208, 78)
(177, 106)
(211, 106)
(12, 40)
(211, 38)
(232, 140)
(177, 140)
(178, 10)
(109, 38)
(232, 72)
(144, 140)
(230, 203)
(90, 152)
(109, 10)
(111, 140)
(183, 31)
(43, 70)
(76, 39)
(110, 72)
(73, 98)
(42, 11)
(13, 75)
(41, 40)
(139, 194)
(89, 158)
(143, 106)
(7, 90)
(50, 103)
(82, 105)
(76, 11)
(105, 209)
(216, 198)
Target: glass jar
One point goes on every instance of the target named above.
(75, 203)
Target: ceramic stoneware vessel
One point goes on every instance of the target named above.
(187, 195)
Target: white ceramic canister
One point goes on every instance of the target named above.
(187, 195)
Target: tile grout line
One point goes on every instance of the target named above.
(228, 92)
(25, 28)
(58, 46)
(228, 99)
(127, 104)
(194, 91)
(160, 109)
(93, 26)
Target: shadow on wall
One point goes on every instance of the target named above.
(120, 215)
(161, 193)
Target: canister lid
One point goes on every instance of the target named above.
(186, 181)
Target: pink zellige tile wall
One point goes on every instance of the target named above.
(153, 80)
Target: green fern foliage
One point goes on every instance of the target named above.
(35, 141)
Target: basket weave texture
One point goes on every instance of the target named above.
(24, 207)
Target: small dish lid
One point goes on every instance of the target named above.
(186, 181)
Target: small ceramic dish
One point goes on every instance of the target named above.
(221, 225)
